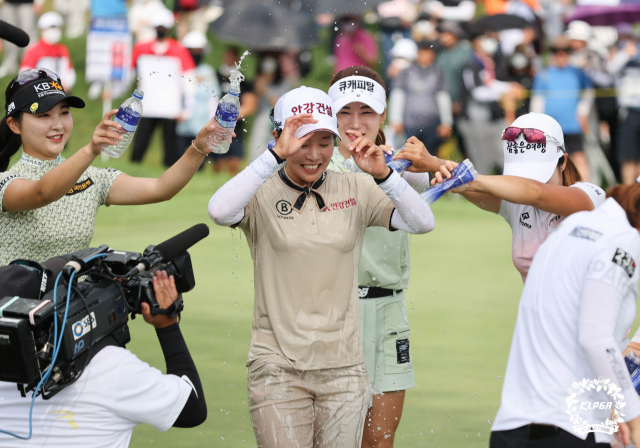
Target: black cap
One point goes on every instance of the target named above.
(40, 96)
(448, 26)
(428, 45)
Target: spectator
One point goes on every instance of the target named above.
(402, 55)
(396, 18)
(75, 14)
(565, 93)
(165, 51)
(21, 13)
(184, 9)
(454, 55)
(248, 106)
(139, 19)
(201, 100)
(419, 104)
(625, 65)
(105, 9)
(354, 45)
(455, 10)
(482, 118)
(49, 53)
(269, 85)
(527, 9)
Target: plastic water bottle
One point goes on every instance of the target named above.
(463, 174)
(350, 165)
(227, 113)
(632, 361)
(399, 165)
(128, 117)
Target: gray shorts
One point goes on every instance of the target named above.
(308, 409)
(385, 340)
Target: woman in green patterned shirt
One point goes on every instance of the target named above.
(48, 204)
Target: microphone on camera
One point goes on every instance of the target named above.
(13, 34)
(170, 249)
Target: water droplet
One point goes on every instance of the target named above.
(489, 421)
(335, 28)
(373, 278)
(337, 45)
(499, 378)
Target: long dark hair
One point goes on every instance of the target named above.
(361, 70)
(570, 175)
(9, 141)
(628, 196)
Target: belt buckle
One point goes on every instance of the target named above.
(363, 292)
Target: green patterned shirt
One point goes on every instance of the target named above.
(384, 261)
(59, 228)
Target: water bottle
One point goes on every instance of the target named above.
(399, 165)
(128, 117)
(463, 174)
(225, 121)
(350, 165)
(227, 113)
(632, 361)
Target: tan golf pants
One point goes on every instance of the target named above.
(308, 409)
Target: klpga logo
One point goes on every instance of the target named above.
(581, 410)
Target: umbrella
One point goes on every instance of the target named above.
(499, 22)
(343, 7)
(264, 27)
(596, 15)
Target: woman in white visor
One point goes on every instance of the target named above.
(305, 225)
(359, 98)
(540, 186)
(566, 383)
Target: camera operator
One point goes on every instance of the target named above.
(48, 204)
(116, 392)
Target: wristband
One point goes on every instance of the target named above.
(383, 180)
(278, 158)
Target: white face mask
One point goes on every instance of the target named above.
(269, 65)
(519, 61)
(51, 35)
(488, 45)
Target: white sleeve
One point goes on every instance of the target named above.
(464, 12)
(142, 394)
(417, 181)
(491, 92)
(443, 100)
(538, 103)
(397, 101)
(615, 65)
(598, 315)
(414, 214)
(587, 98)
(226, 207)
(596, 194)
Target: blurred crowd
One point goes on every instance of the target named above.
(457, 71)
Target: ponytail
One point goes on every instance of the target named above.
(381, 139)
(628, 196)
(9, 143)
(570, 175)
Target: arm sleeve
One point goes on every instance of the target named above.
(417, 181)
(227, 206)
(491, 92)
(443, 99)
(599, 310)
(414, 214)
(180, 364)
(397, 101)
(618, 62)
(538, 103)
(596, 194)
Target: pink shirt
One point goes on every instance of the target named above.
(345, 52)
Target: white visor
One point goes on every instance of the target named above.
(358, 89)
(306, 100)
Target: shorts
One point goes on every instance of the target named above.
(628, 147)
(573, 143)
(385, 340)
(308, 409)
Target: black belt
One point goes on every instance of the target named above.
(374, 292)
(537, 432)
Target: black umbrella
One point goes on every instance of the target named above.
(264, 27)
(499, 22)
(343, 7)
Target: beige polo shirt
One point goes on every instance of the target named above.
(306, 269)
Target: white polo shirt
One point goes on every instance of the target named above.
(116, 393)
(546, 357)
(530, 226)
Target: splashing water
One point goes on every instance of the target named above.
(236, 76)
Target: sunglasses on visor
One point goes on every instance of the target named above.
(511, 133)
(32, 74)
